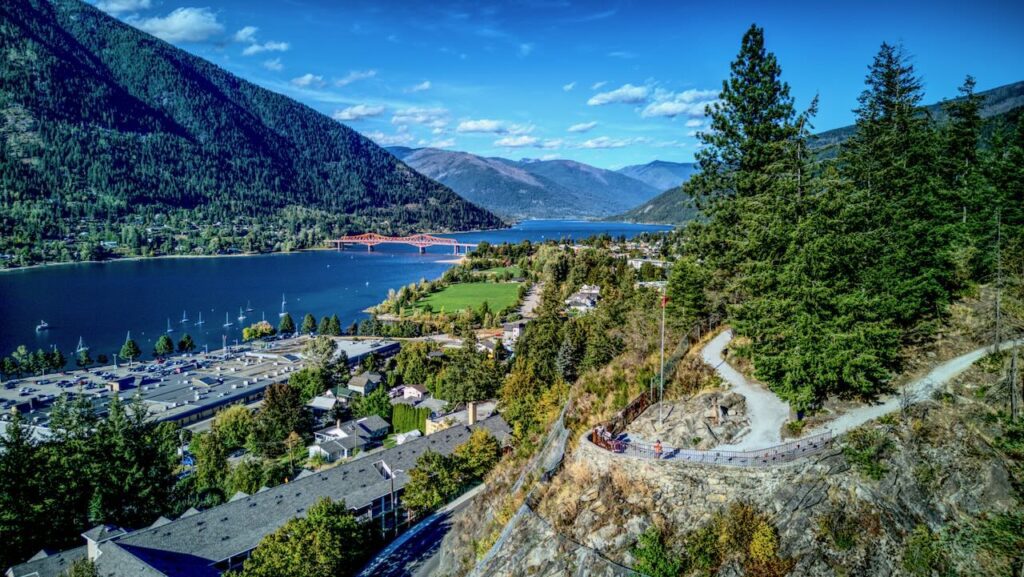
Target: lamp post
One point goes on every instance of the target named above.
(661, 389)
(394, 508)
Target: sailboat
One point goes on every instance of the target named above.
(248, 307)
(44, 326)
(283, 302)
(184, 317)
(81, 345)
(169, 329)
(241, 315)
(227, 321)
(200, 322)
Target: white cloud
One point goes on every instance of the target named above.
(525, 49)
(622, 54)
(431, 117)
(270, 46)
(246, 34)
(442, 143)
(692, 133)
(358, 112)
(606, 142)
(516, 141)
(355, 75)
(308, 79)
(569, 86)
(687, 103)
(389, 139)
(549, 157)
(627, 94)
(121, 6)
(274, 64)
(425, 85)
(486, 126)
(694, 123)
(481, 125)
(598, 85)
(551, 143)
(582, 127)
(182, 25)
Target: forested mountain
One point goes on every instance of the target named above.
(110, 134)
(530, 188)
(661, 174)
(674, 206)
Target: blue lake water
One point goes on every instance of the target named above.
(101, 302)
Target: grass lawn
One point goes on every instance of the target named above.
(472, 294)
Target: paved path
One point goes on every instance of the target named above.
(767, 413)
(917, 390)
(531, 301)
(416, 552)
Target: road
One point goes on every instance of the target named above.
(416, 553)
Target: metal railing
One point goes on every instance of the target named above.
(775, 455)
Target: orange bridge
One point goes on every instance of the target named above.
(421, 241)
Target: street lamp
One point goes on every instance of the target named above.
(394, 508)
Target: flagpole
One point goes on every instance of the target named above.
(661, 389)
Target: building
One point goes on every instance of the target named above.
(638, 263)
(344, 440)
(510, 333)
(207, 543)
(365, 383)
(585, 299)
(473, 413)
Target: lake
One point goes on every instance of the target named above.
(101, 302)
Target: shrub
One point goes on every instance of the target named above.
(839, 529)
(922, 553)
(866, 450)
(653, 557)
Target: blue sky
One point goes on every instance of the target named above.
(607, 83)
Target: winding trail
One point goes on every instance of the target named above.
(768, 413)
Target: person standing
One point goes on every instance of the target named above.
(657, 449)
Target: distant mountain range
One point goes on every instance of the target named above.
(661, 174)
(105, 123)
(530, 188)
(674, 206)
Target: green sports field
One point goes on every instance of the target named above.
(457, 297)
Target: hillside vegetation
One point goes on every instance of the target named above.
(109, 134)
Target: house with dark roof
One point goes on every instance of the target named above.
(207, 543)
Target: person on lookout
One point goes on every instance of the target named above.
(657, 449)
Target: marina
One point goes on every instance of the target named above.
(101, 301)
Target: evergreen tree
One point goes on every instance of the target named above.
(309, 324)
(325, 326)
(335, 326)
(20, 495)
(130, 350)
(186, 344)
(164, 346)
(82, 359)
(687, 302)
(287, 325)
(376, 403)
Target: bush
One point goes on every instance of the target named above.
(922, 554)
(407, 418)
(653, 557)
(866, 450)
(839, 528)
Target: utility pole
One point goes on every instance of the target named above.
(661, 388)
(999, 279)
(1014, 400)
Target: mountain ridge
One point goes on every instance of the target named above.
(108, 124)
(529, 188)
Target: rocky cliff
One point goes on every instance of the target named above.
(935, 489)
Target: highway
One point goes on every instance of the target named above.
(416, 553)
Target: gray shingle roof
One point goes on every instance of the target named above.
(189, 545)
(49, 566)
